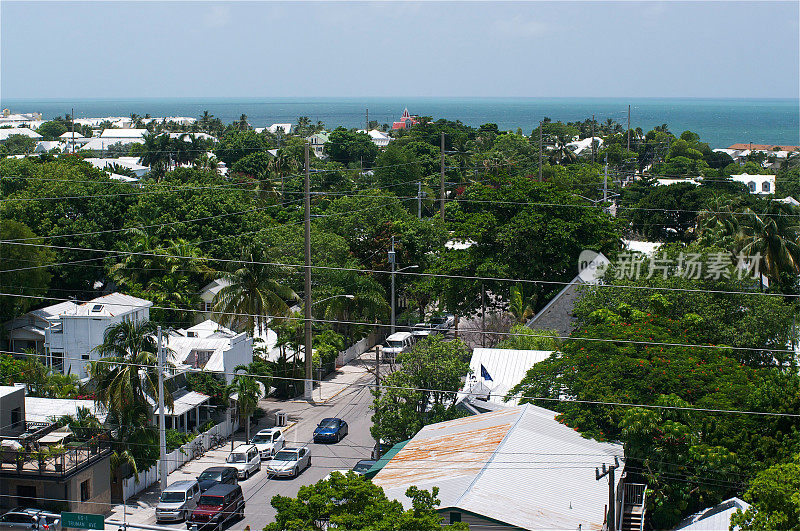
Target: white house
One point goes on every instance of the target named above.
(713, 518)
(27, 332)
(757, 184)
(283, 128)
(210, 347)
(317, 142)
(24, 131)
(132, 163)
(515, 468)
(73, 138)
(187, 136)
(379, 138)
(46, 146)
(72, 335)
(207, 295)
(584, 146)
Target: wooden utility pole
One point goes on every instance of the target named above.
(540, 151)
(611, 522)
(367, 123)
(593, 139)
(441, 186)
(483, 315)
(308, 387)
(419, 200)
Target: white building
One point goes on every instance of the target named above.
(282, 128)
(210, 347)
(317, 142)
(714, 518)
(24, 131)
(18, 119)
(46, 146)
(72, 335)
(757, 184)
(515, 468)
(379, 138)
(495, 371)
(187, 136)
(132, 163)
(580, 147)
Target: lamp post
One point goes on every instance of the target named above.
(393, 261)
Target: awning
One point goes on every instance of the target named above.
(185, 403)
(385, 458)
(56, 436)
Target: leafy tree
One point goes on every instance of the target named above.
(254, 165)
(774, 499)
(521, 337)
(52, 130)
(398, 170)
(772, 234)
(236, 145)
(17, 145)
(348, 147)
(421, 391)
(22, 269)
(208, 384)
(352, 502)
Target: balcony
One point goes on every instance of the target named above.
(45, 451)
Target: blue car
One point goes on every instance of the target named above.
(330, 430)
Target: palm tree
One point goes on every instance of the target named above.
(717, 225)
(243, 125)
(126, 375)
(140, 248)
(206, 163)
(156, 153)
(518, 306)
(561, 151)
(248, 391)
(773, 235)
(283, 164)
(252, 295)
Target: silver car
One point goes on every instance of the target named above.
(289, 462)
(177, 501)
(30, 520)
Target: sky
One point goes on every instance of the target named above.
(450, 49)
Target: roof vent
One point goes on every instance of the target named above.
(97, 308)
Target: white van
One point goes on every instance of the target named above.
(245, 459)
(398, 343)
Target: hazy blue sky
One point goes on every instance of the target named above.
(209, 49)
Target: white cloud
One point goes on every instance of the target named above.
(217, 16)
(519, 26)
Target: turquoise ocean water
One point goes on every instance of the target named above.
(720, 122)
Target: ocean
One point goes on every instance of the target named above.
(719, 122)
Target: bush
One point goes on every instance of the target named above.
(208, 384)
(207, 426)
(176, 439)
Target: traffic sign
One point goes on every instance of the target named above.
(83, 521)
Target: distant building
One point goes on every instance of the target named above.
(28, 119)
(131, 163)
(46, 146)
(379, 138)
(515, 468)
(317, 142)
(713, 518)
(280, 128)
(406, 121)
(24, 131)
(210, 347)
(757, 184)
(581, 147)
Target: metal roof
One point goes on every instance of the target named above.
(505, 366)
(518, 466)
(45, 409)
(385, 458)
(713, 518)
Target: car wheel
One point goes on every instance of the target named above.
(296, 472)
(338, 436)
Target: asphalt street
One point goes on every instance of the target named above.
(351, 404)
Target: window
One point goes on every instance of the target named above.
(752, 186)
(202, 357)
(86, 492)
(84, 356)
(455, 518)
(209, 306)
(765, 187)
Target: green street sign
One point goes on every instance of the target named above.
(83, 521)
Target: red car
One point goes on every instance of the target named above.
(217, 505)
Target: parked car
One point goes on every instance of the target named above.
(177, 501)
(218, 474)
(330, 430)
(29, 520)
(363, 466)
(217, 505)
(289, 462)
(423, 330)
(443, 322)
(268, 441)
(398, 343)
(246, 459)
(379, 449)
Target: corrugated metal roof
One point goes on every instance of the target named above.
(713, 518)
(518, 466)
(44, 409)
(110, 305)
(505, 366)
(385, 458)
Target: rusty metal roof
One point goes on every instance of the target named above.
(518, 465)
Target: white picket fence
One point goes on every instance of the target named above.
(175, 459)
(360, 347)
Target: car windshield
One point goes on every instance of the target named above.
(211, 500)
(213, 476)
(438, 320)
(265, 438)
(328, 423)
(237, 458)
(283, 455)
(395, 344)
(363, 466)
(172, 497)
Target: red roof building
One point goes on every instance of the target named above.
(405, 120)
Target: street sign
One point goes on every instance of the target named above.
(83, 521)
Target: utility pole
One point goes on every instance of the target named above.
(366, 130)
(72, 128)
(162, 427)
(378, 391)
(540, 151)
(629, 128)
(483, 316)
(593, 139)
(611, 523)
(605, 182)
(393, 261)
(441, 187)
(419, 200)
(308, 385)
